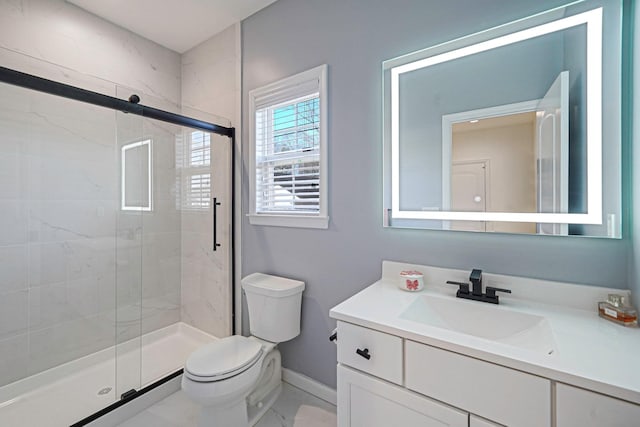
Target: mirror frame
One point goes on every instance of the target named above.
(450, 51)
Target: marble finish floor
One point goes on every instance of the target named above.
(293, 408)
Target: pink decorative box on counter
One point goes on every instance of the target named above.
(411, 280)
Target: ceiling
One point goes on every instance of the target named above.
(176, 24)
(514, 119)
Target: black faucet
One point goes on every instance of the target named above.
(476, 293)
(476, 281)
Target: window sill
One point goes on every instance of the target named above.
(297, 221)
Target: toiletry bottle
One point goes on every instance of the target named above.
(618, 310)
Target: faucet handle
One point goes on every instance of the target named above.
(491, 291)
(464, 287)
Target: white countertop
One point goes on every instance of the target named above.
(590, 352)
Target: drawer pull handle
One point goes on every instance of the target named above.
(364, 353)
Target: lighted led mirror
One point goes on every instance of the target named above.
(136, 176)
(516, 129)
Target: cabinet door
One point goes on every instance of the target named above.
(481, 422)
(364, 400)
(494, 392)
(581, 408)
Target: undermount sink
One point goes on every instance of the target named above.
(481, 320)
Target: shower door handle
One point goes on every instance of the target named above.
(216, 203)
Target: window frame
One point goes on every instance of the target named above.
(288, 89)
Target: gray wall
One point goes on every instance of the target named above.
(353, 38)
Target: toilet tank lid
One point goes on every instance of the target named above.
(272, 286)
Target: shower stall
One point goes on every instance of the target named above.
(115, 245)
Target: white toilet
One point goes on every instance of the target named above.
(236, 379)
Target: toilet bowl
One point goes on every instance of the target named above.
(236, 379)
(233, 379)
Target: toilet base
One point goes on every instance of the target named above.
(268, 387)
(244, 411)
(256, 412)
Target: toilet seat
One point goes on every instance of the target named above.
(223, 359)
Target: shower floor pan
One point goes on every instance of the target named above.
(68, 393)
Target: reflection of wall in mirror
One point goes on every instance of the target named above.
(510, 74)
(520, 72)
(508, 144)
(575, 60)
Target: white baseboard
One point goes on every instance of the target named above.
(309, 385)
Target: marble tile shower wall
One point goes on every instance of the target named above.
(68, 256)
(161, 252)
(78, 274)
(210, 83)
(149, 244)
(206, 294)
(58, 200)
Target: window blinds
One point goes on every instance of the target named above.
(196, 173)
(288, 155)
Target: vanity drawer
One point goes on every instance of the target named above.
(384, 351)
(582, 408)
(504, 395)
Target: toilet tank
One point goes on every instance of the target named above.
(274, 306)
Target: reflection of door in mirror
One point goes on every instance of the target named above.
(506, 143)
(552, 147)
(527, 145)
(469, 192)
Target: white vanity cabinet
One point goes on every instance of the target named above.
(364, 400)
(576, 407)
(543, 359)
(494, 392)
(370, 351)
(385, 380)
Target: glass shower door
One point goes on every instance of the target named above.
(134, 155)
(58, 208)
(115, 250)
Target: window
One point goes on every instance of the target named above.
(288, 156)
(196, 171)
